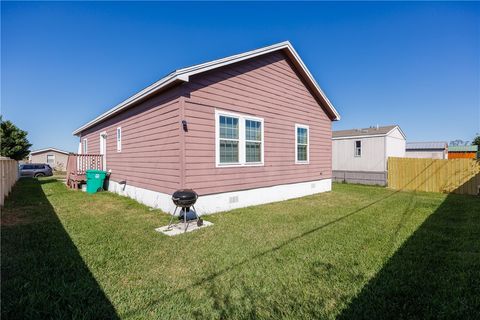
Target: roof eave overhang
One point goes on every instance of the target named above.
(163, 84)
(318, 92)
(360, 136)
(399, 129)
(425, 149)
(48, 149)
(183, 75)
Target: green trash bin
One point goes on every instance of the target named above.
(95, 180)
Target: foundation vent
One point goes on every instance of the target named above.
(233, 199)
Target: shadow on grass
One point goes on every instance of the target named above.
(434, 274)
(43, 274)
(47, 180)
(209, 278)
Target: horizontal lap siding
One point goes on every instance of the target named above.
(149, 157)
(266, 87)
(60, 159)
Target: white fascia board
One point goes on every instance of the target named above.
(399, 129)
(358, 137)
(233, 59)
(185, 73)
(47, 149)
(314, 82)
(138, 96)
(251, 54)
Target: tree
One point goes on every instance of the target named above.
(476, 141)
(13, 141)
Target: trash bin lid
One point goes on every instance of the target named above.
(93, 171)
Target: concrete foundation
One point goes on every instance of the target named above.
(361, 177)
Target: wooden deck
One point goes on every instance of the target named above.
(78, 164)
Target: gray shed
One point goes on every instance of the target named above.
(429, 149)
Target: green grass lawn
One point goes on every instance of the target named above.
(355, 252)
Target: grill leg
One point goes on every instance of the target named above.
(173, 216)
(185, 219)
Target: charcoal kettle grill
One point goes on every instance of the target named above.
(184, 199)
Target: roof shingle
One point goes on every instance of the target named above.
(429, 145)
(363, 132)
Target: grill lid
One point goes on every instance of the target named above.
(184, 197)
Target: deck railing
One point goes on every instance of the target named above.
(78, 164)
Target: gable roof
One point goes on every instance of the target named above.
(430, 145)
(183, 75)
(366, 132)
(48, 149)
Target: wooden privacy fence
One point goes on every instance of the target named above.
(434, 175)
(9, 175)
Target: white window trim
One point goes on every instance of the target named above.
(355, 149)
(119, 141)
(296, 143)
(53, 155)
(241, 141)
(103, 137)
(85, 146)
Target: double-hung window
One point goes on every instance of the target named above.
(229, 139)
(239, 139)
(119, 139)
(358, 148)
(253, 141)
(301, 143)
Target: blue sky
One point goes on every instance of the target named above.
(412, 64)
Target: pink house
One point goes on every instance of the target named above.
(243, 130)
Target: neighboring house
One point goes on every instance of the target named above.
(360, 155)
(57, 159)
(468, 152)
(433, 150)
(243, 130)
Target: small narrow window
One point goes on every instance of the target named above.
(358, 148)
(119, 139)
(85, 146)
(253, 141)
(301, 144)
(229, 140)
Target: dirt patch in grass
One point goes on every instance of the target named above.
(20, 216)
(13, 219)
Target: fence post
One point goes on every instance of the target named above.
(9, 175)
(435, 175)
(2, 185)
